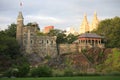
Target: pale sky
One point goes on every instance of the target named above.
(59, 13)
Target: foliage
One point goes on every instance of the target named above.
(8, 45)
(20, 68)
(71, 38)
(47, 57)
(5, 63)
(11, 31)
(68, 72)
(11, 72)
(84, 50)
(31, 24)
(57, 73)
(23, 66)
(41, 34)
(10, 56)
(21, 71)
(110, 29)
(62, 37)
(41, 71)
(112, 63)
(68, 78)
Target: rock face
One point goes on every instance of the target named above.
(77, 62)
(97, 55)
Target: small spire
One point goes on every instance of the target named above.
(95, 13)
(95, 22)
(84, 26)
(85, 18)
(85, 15)
(20, 16)
(95, 16)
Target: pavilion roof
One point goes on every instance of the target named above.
(90, 35)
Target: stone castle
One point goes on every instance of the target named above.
(31, 43)
(85, 27)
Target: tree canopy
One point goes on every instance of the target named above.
(10, 56)
(62, 37)
(110, 29)
(112, 62)
(11, 31)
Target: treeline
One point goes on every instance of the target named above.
(10, 57)
(110, 30)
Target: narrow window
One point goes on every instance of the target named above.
(31, 41)
(42, 41)
(47, 41)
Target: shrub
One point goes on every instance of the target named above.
(11, 72)
(68, 73)
(41, 71)
(23, 70)
(20, 71)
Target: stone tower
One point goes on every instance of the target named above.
(19, 30)
(84, 26)
(95, 22)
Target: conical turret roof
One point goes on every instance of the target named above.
(20, 16)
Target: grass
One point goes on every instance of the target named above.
(68, 78)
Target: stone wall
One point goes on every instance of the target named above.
(68, 48)
(41, 45)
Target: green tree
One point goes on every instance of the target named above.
(8, 45)
(112, 62)
(31, 24)
(71, 38)
(11, 31)
(110, 29)
(10, 54)
(61, 37)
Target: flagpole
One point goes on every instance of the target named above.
(20, 4)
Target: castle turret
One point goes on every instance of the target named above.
(85, 26)
(20, 25)
(95, 22)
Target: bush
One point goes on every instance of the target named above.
(115, 73)
(23, 70)
(20, 71)
(11, 72)
(41, 71)
(57, 73)
(68, 73)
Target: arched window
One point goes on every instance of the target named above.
(47, 42)
(42, 41)
(31, 41)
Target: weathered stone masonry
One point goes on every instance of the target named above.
(31, 43)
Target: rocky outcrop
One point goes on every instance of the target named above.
(97, 55)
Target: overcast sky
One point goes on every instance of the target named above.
(59, 13)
